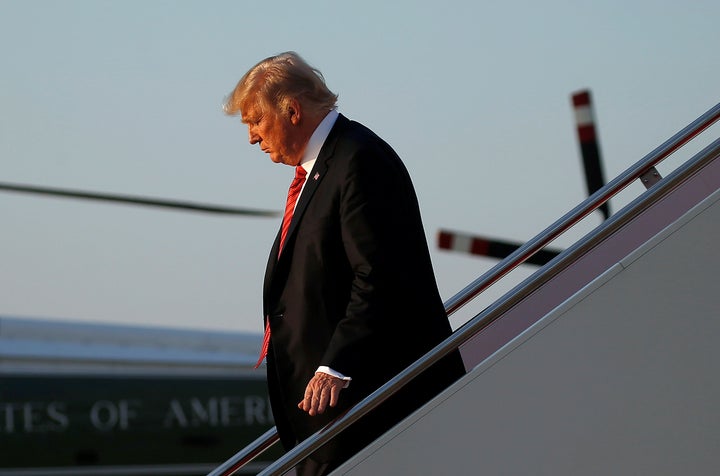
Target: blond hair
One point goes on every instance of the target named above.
(274, 81)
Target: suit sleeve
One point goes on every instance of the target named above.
(379, 219)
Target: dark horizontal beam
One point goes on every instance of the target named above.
(143, 201)
(494, 248)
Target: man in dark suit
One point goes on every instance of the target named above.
(350, 297)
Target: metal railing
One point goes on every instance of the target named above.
(494, 311)
(247, 454)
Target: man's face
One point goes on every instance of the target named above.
(276, 133)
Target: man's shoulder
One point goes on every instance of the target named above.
(356, 134)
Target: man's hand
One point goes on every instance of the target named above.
(323, 390)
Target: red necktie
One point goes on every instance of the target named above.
(293, 193)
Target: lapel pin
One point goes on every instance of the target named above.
(316, 176)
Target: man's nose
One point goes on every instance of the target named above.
(253, 137)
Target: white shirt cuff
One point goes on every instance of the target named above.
(327, 370)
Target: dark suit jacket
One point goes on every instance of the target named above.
(353, 289)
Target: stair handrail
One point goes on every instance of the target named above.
(477, 323)
(247, 454)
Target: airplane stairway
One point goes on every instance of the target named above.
(601, 362)
(620, 378)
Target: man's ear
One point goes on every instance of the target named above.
(294, 111)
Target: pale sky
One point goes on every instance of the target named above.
(125, 97)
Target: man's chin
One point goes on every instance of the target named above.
(280, 160)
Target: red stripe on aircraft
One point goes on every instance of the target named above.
(479, 247)
(445, 240)
(581, 99)
(586, 133)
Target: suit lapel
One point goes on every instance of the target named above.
(314, 178)
(313, 181)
